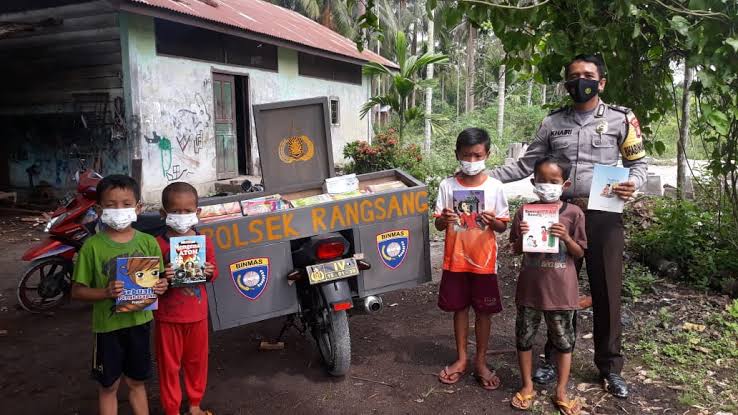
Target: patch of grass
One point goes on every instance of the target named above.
(701, 365)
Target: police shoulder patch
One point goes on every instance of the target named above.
(632, 147)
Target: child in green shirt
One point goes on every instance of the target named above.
(121, 339)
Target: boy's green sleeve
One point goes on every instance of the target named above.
(84, 268)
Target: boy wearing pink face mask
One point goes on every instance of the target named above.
(181, 320)
(121, 346)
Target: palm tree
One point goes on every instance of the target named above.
(402, 82)
(333, 14)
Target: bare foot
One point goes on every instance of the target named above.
(453, 372)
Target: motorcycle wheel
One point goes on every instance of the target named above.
(331, 333)
(45, 284)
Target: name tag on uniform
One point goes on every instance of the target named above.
(561, 133)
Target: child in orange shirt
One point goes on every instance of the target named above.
(470, 254)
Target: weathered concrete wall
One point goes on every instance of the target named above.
(172, 105)
(51, 75)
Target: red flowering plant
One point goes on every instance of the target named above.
(384, 153)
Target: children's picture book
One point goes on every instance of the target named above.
(601, 196)
(469, 205)
(187, 256)
(540, 217)
(139, 275)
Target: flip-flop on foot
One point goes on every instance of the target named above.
(522, 401)
(490, 383)
(570, 407)
(448, 378)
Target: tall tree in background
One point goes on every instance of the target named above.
(336, 15)
(402, 82)
(501, 101)
(429, 88)
(471, 56)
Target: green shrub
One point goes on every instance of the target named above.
(637, 280)
(692, 235)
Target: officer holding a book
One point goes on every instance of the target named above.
(591, 133)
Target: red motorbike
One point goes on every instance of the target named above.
(48, 279)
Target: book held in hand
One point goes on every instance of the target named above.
(540, 217)
(187, 256)
(469, 205)
(601, 195)
(139, 276)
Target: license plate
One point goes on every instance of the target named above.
(330, 271)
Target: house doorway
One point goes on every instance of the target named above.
(232, 126)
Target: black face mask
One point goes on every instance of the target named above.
(582, 90)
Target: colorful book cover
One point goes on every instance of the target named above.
(139, 275)
(540, 217)
(469, 205)
(601, 196)
(187, 256)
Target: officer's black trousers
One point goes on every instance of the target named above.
(604, 256)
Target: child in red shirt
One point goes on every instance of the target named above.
(182, 317)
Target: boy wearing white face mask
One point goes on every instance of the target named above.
(548, 285)
(471, 207)
(181, 320)
(121, 339)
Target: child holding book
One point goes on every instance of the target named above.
(547, 286)
(469, 276)
(121, 338)
(181, 320)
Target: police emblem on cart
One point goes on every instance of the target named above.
(250, 276)
(393, 246)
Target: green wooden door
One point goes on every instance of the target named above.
(226, 154)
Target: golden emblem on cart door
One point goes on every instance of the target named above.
(296, 148)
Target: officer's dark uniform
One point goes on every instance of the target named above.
(611, 134)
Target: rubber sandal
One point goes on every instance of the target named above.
(483, 381)
(571, 407)
(445, 375)
(522, 402)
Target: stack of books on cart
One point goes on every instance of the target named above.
(335, 188)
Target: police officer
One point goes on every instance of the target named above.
(592, 132)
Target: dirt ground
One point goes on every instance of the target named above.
(45, 359)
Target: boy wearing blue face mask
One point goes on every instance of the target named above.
(471, 207)
(121, 339)
(181, 320)
(548, 284)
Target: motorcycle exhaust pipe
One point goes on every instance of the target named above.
(369, 305)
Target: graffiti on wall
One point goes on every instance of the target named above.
(171, 172)
(190, 125)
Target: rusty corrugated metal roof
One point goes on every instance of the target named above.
(271, 20)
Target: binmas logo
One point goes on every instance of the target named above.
(393, 246)
(250, 276)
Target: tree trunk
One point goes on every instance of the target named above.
(684, 134)
(379, 89)
(543, 95)
(458, 89)
(529, 95)
(414, 52)
(442, 78)
(429, 90)
(501, 102)
(471, 48)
